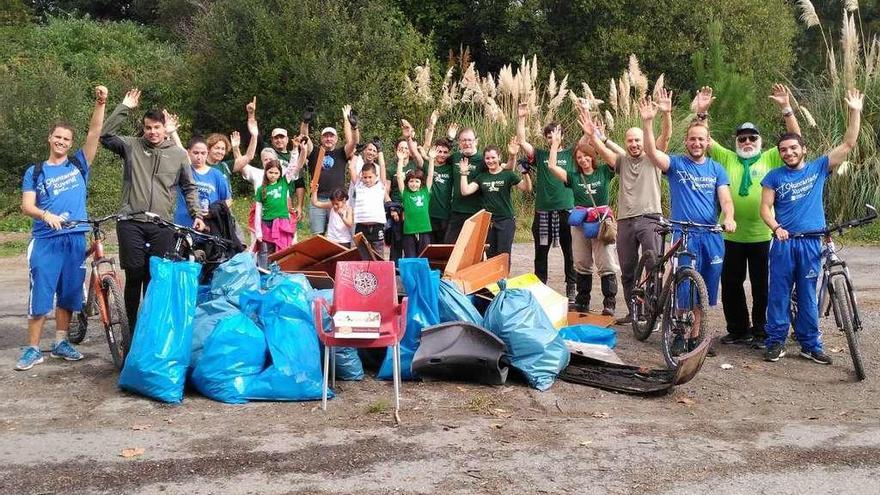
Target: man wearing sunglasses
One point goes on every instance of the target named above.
(747, 249)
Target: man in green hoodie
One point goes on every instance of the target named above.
(154, 167)
(746, 251)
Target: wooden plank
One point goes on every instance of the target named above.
(577, 318)
(307, 252)
(470, 245)
(319, 164)
(366, 251)
(329, 265)
(482, 274)
(437, 255)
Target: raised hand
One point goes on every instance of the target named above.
(586, 123)
(522, 110)
(406, 129)
(308, 115)
(463, 166)
(664, 100)
(252, 126)
(703, 100)
(647, 108)
(352, 118)
(513, 146)
(235, 139)
(172, 123)
(432, 153)
(452, 131)
(854, 100)
(402, 155)
(132, 98)
(346, 109)
(556, 136)
(780, 96)
(432, 121)
(251, 108)
(101, 94)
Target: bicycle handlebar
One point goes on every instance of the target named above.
(91, 221)
(154, 218)
(668, 223)
(839, 228)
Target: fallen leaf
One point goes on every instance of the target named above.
(132, 452)
(836, 350)
(686, 401)
(585, 443)
(727, 366)
(496, 426)
(141, 427)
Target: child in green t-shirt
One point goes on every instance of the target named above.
(416, 199)
(273, 209)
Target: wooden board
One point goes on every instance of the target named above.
(437, 254)
(329, 265)
(482, 274)
(366, 251)
(306, 253)
(471, 243)
(576, 318)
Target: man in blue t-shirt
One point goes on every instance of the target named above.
(52, 192)
(696, 185)
(791, 203)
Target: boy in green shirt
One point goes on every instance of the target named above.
(415, 195)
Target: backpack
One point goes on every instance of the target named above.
(38, 170)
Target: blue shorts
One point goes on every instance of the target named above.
(56, 273)
(708, 249)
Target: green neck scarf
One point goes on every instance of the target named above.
(746, 182)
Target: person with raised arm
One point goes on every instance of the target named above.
(697, 184)
(219, 146)
(408, 159)
(154, 168)
(333, 166)
(792, 203)
(54, 191)
(590, 183)
(746, 251)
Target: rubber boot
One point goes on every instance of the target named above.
(583, 283)
(609, 291)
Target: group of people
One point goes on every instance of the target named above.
(415, 199)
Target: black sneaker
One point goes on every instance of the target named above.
(626, 320)
(679, 346)
(608, 311)
(817, 356)
(732, 339)
(774, 352)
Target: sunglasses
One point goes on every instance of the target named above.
(752, 138)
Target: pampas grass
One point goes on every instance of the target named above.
(808, 13)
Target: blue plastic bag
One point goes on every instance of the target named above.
(452, 305)
(590, 334)
(234, 353)
(231, 279)
(422, 285)
(591, 229)
(348, 363)
(160, 350)
(294, 372)
(534, 347)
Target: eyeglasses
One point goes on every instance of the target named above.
(752, 138)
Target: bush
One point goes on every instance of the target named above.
(49, 74)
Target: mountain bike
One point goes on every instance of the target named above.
(836, 290)
(190, 244)
(103, 295)
(672, 300)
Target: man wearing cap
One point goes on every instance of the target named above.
(334, 164)
(280, 142)
(746, 250)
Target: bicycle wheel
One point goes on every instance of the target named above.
(118, 333)
(843, 308)
(680, 333)
(644, 298)
(79, 320)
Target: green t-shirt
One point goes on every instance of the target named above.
(583, 185)
(746, 209)
(495, 192)
(466, 204)
(275, 205)
(441, 190)
(416, 205)
(391, 176)
(550, 193)
(224, 167)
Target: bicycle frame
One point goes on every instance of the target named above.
(833, 266)
(101, 266)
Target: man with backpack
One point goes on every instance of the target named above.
(54, 191)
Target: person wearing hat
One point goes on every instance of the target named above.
(333, 166)
(746, 250)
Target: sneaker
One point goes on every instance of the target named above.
(64, 350)
(608, 311)
(30, 356)
(817, 356)
(774, 352)
(571, 293)
(758, 343)
(678, 345)
(733, 339)
(626, 320)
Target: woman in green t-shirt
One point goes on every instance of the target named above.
(590, 185)
(494, 186)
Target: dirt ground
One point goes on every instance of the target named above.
(787, 427)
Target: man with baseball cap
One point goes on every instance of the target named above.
(333, 166)
(280, 142)
(747, 249)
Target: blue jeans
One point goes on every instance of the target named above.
(318, 218)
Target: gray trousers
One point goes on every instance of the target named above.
(633, 233)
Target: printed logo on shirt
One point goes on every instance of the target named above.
(274, 193)
(717, 260)
(590, 188)
(419, 201)
(56, 186)
(328, 163)
(812, 274)
(441, 178)
(793, 191)
(695, 182)
(493, 185)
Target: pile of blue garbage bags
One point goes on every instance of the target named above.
(252, 337)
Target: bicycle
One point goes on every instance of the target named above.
(104, 296)
(185, 246)
(653, 296)
(836, 289)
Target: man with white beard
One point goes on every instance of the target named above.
(746, 250)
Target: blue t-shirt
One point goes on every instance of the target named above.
(60, 189)
(212, 185)
(798, 203)
(693, 189)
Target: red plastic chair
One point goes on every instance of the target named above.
(364, 286)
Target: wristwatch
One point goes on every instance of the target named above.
(703, 115)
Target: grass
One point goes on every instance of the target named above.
(13, 247)
(480, 403)
(378, 407)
